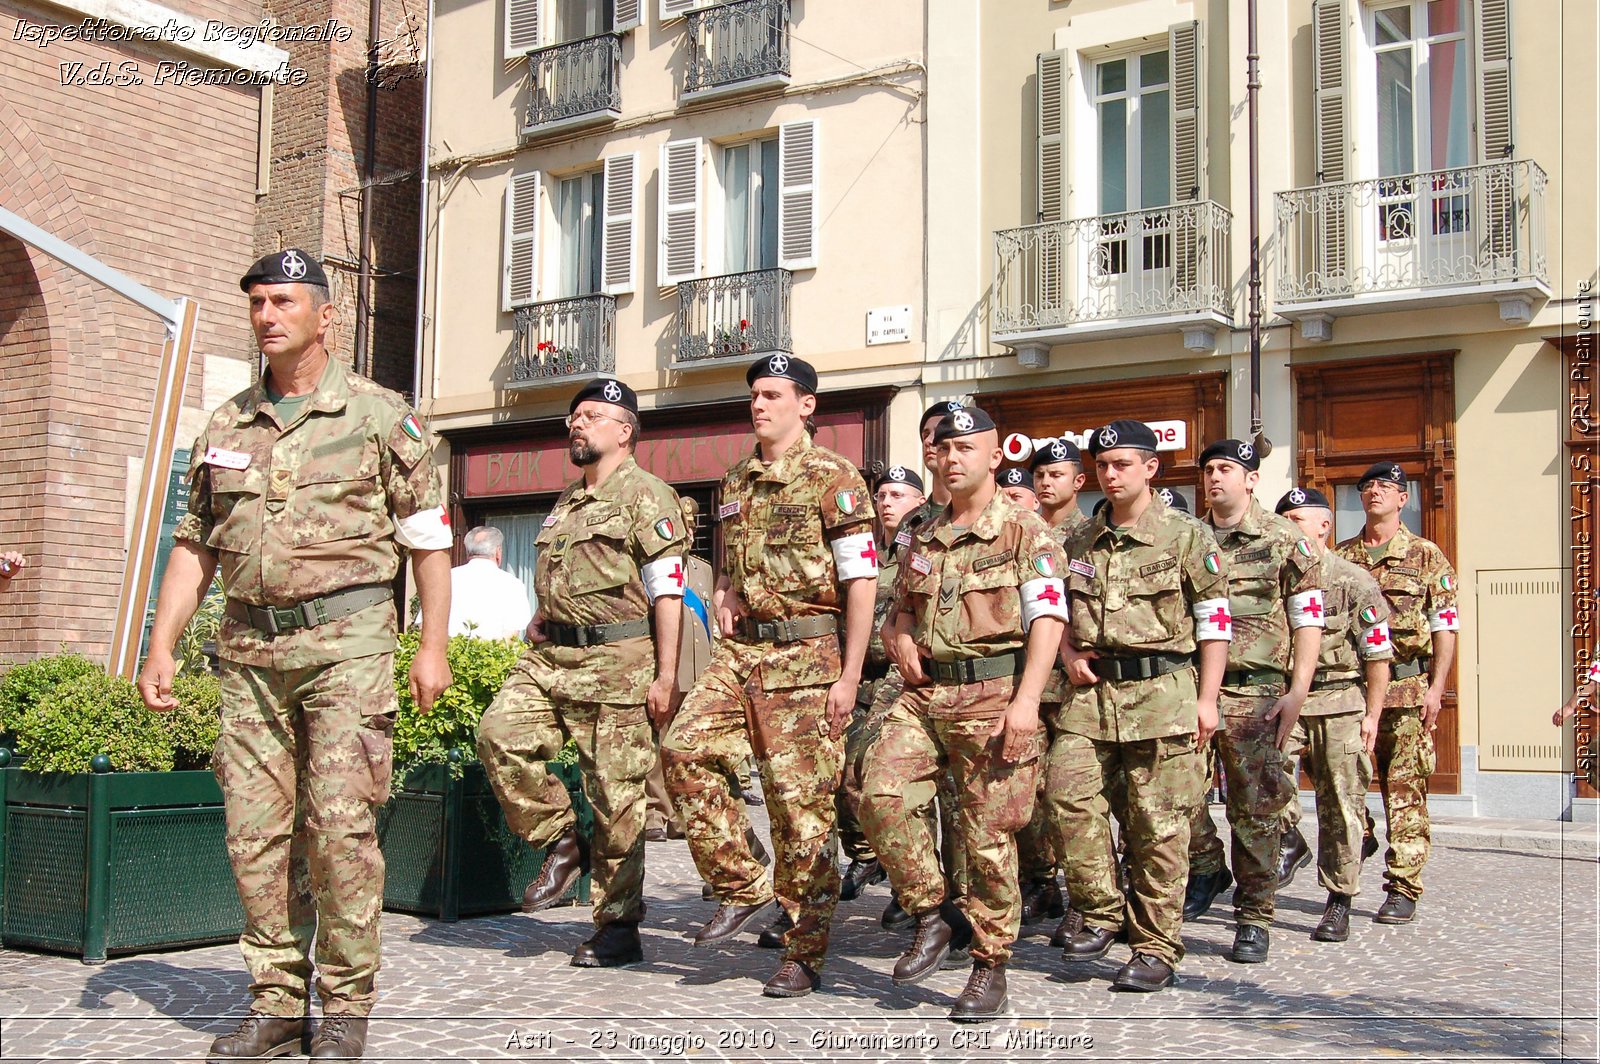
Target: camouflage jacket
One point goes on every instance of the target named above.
(889, 555)
(590, 553)
(1055, 688)
(963, 589)
(1354, 608)
(1133, 594)
(1268, 561)
(300, 510)
(1420, 587)
(778, 520)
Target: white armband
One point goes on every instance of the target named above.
(1594, 671)
(1444, 620)
(1213, 621)
(1305, 609)
(1044, 597)
(424, 530)
(855, 556)
(1375, 641)
(664, 576)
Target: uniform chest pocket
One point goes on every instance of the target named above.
(1253, 587)
(235, 508)
(990, 600)
(1405, 595)
(920, 586)
(335, 496)
(1156, 580)
(597, 557)
(792, 526)
(1084, 587)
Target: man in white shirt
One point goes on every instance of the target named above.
(484, 598)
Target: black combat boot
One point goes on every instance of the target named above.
(612, 946)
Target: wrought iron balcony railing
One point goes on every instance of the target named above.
(575, 83)
(737, 315)
(1474, 227)
(737, 44)
(1096, 274)
(565, 338)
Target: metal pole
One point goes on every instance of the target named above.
(1252, 95)
(369, 167)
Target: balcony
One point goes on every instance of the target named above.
(1438, 238)
(1129, 274)
(564, 340)
(735, 318)
(737, 47)
(574, 85)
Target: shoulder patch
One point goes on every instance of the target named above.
(1213, 563)
(411, 427)
(1447, 582)
(665, 528)
(1303, 547)
(1044, 565)
(1369, 615)
(848, 501)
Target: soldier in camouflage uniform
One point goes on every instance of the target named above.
(1338, 725)
(1420, 587)
(797, 528)
(978, 621)
(306, 487)
(1276, 600)
(610, 573)
(1057, 469)
(1148, 589)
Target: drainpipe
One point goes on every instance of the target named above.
(1252, 94)
(422, 212)
(363, 337)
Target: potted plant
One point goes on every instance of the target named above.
(446, 846)
(730, 341)
(112, 834)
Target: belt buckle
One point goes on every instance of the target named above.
(285, 619)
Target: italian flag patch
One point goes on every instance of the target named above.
(1213, 563)
(847, 501)
(664, 528)
(1447, 582)
(1044, 565)
(1304, 548)
(410, 427)
(1369, 615)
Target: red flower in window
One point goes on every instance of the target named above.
(743, 325)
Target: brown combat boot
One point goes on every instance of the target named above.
(563, 864)
(259, 1035)
(985, 995)
(939, 931)
(340, 1037)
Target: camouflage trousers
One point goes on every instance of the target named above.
(859, 736)
(724, 719)
(1161, 783)
(1330, 750)
(996, 796)
(303, 759)
(524, 728)
(1405, 760)
(1036, 851)
(1259, 787)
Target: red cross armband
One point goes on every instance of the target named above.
(1444, 620)
(1375, 642)
(1213, 621)
(855, 556)
(1043, 597)
(1305, 609)
(1594, 671)
(424, 530)
(664, 576)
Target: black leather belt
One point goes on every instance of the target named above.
(1147, 667)
(1332, 682)
(1404, 670)
(976, 670)
(788, 631)
(873, 671)
(1252, 677)
(593, 635)
(312, 612)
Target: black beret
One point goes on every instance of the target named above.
(898, 475)
(786, 366)
(1295, 498)
(963, 422)
(1015, 477)
(1055, 451)
(1123, 432)
(1234, 451)
(290, 266)
(940, 409)
(1389, 471)
(606, 390)
(1173, 499)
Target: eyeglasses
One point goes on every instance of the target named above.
(583, 417)
(1379, 486)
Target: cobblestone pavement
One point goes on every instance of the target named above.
(1501, 965)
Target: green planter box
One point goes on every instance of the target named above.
(96, 864)
(448, 852)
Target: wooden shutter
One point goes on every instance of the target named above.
(522, 27)
(1185, 43)
(626, 14)
(616, 240)
(1494, 74)
(797, 195)
(521, 253)
(1330, 67)
(1050, 171)
(680, 212)
(671, 9)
